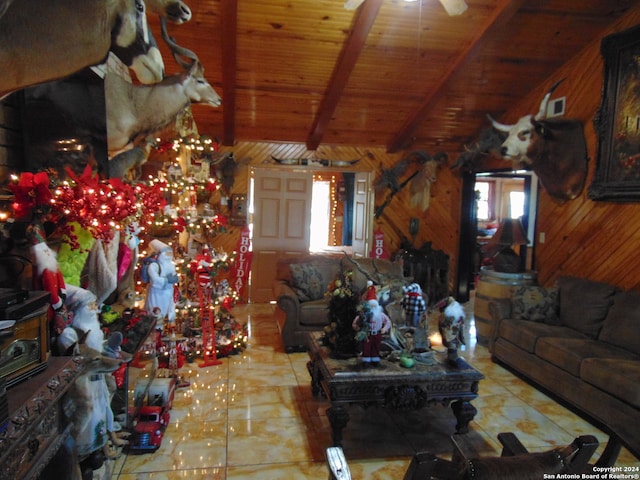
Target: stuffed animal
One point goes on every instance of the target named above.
(413, 304)
(451, 327)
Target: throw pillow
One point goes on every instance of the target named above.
(584, 303)
(537, 304)
(622, 325)
(307, 281)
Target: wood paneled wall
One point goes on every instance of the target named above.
(593, 239)
(439, 224)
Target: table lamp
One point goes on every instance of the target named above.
(509, 233)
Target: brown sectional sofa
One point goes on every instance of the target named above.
(580, 341)
(301, 282)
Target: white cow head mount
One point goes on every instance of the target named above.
(515, 147)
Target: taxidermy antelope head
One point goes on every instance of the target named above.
(137, 110)
(41, 40)
(175, 11)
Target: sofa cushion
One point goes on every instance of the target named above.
(568, 353)
(615, 377)
(535, 303)
(308, 282)
(525, 334)
(622, 325)
(314, 313)
(584, 303)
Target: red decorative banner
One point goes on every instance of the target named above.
(242, 265)
(378, 249)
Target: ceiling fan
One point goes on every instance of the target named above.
(453, 7)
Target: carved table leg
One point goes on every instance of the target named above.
(338, 418)
(464, 413)
(316, 389)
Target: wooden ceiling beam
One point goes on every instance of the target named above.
(503, 12)
(363, 21)
(229, 14)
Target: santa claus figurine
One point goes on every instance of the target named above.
(371, 324)
(162, 278)
(48, 277)
(201, 269)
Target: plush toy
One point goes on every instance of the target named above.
(162, 279)
(451, 327)
(413, 304)
(371, 324)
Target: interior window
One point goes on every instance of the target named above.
(483, 195)
(516, 204)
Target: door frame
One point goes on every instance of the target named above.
(266, 260)
(469, 224)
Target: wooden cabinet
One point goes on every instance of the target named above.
(37, 424)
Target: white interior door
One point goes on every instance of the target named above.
(362, 214)
(282, 214)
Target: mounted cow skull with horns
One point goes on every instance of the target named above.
(555, 149)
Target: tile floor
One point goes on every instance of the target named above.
(253, 417)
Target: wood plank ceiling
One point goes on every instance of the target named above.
(393, 74)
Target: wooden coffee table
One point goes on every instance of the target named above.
(345, 382)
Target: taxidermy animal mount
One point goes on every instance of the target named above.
(75, 35)
(555, 149)
(421, 179)
(138, 110)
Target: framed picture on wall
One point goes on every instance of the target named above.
(617, 176)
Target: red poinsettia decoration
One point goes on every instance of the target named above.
(101, 207)
(31, 192)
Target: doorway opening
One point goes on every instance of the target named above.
(331, 212)
(487, 199)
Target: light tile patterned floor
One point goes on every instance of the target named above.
(254, 416)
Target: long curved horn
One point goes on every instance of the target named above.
(499, 126)
(542, 113)
(176, 49)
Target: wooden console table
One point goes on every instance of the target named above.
(344, 383)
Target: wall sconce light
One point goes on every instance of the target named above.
(509, 233)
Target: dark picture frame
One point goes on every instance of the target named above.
(617, 123)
